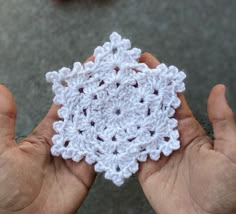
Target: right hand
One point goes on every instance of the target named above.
(201, 176)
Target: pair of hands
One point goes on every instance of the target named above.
(198, 178)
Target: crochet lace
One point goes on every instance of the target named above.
(116, 111)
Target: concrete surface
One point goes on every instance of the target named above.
(43, 35)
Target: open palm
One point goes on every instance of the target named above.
(201, 176)
(31, 180)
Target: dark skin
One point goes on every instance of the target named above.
(198, 178)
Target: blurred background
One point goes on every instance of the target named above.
(44, 35)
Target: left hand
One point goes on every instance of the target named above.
(31, 180)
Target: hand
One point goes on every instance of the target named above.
(201, 176)
(31, 180)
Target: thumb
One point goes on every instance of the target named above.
(7, 114)
(221, 116)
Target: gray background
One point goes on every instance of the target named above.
(43, 35)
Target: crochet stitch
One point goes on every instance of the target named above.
(116, 111)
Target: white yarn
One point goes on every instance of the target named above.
(116, 111)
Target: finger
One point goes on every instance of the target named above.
(7, 114)
(221, 117)
(184, 110)
(91, 58)
(149, 60)
(189, 128)
(45, 127)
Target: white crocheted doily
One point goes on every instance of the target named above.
(116, 111)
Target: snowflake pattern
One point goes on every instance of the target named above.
(116, 111)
